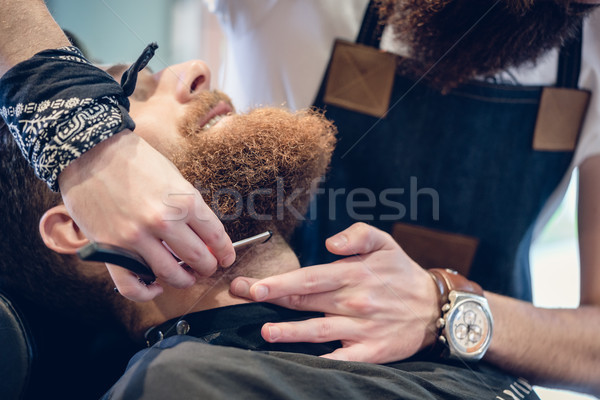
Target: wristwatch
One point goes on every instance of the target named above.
(466, 324)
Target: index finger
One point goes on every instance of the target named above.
(164, 266)
(210, 229)
(308, 280)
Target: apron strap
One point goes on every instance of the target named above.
(370, 29)
(569, 59)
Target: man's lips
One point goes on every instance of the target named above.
(219, 110)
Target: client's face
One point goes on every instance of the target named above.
(162, 99)
(255, 170)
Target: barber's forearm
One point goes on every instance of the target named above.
(550, 347)
(26, 28)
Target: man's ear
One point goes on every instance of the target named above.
(60, 232)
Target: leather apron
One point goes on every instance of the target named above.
(456, 178)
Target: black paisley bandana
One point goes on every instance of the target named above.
(58, 105)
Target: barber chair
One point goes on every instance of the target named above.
(44, 354)
(16, 351)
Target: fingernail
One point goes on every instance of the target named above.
(261, 292)
(338, 241)
(274, 333)
(228, 260)
(242, 288)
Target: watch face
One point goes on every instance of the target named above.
(468, 328)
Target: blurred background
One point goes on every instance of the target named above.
(115, 31)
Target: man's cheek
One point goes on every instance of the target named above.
(159, 133)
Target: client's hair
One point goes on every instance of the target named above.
(27, 267)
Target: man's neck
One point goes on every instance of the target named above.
(273, 257)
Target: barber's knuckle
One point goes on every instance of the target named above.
(359, 225)
(208, 267)
(298, 300)
(363, 232)
(215, 235)
(158, 221)
(324, 330)
(311, 278)
(362, 227)
(132, 234)
(179, 280)
(196, 256)
(363, 304)
(188, 201)
(163, 273)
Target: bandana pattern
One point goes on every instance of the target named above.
(50, 120)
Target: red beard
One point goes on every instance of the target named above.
(255, 170)
(457, 40)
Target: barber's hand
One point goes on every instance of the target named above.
(379, 302)
(125, 193)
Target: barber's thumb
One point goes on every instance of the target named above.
(339, 244)
(240, 287)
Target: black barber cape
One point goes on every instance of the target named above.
(223, 356)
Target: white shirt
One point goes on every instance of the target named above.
(278, 50)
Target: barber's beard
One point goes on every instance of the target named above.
(456, 40)
(256, 170)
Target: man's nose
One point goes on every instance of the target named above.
(194, 77)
